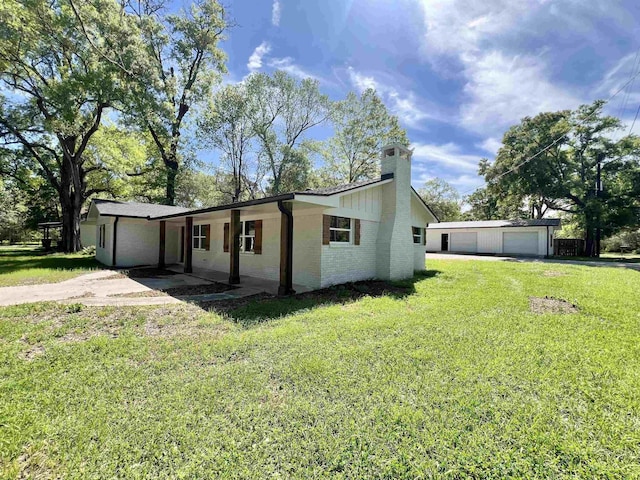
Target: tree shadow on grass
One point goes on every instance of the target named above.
(12, 260)
(253, 310)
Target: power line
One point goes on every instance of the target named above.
(557, 140)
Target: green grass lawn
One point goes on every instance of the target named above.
(30, 265)
(457, 378)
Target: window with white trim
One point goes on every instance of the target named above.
(340, 230)
(199, 236)
(417, 235)
(248, 236)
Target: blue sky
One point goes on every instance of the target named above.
(456, 73)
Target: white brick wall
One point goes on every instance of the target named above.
(350, 263)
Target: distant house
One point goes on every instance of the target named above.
(503, 237)
(303, 240)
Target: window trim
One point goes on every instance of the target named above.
(201, 237)
(337, 229)
(102, 233)
(243, 236)
(418, 236)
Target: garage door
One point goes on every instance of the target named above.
(464, 242)
(520, 243)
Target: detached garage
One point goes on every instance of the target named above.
(498, 237)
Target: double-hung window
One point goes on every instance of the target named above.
(248, 236)
(417, 235)
(199, 236)
(340, 230)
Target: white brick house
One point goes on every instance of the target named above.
(303, 240)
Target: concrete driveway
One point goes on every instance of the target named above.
(492, 258)
(102, 287)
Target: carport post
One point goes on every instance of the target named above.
(286, 249)
(234, 247)
(189, 245)
(163, 236)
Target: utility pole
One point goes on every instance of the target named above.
(598, 195)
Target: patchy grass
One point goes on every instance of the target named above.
(453, 377)
(31, 265)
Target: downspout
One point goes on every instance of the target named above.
(547, 240)
(115, 238)
(287, 288)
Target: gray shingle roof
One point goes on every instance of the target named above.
(343, 188)
(135, 209)
(544, 222)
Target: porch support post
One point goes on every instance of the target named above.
(163, 237)
(234, 247)
(286, 249)
(188, 257)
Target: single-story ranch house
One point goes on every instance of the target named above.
(502, 237)
(302, 240)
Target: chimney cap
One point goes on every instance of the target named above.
(389, 150)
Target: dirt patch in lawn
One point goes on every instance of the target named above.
(180, 291)
(551, 305)
(32, 353)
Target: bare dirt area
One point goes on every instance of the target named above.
(551, 305)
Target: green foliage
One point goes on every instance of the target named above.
(629, 241)
(563, 177)
(228, 126)
(458, 380)
(182, 60)
(442, 198)
(362, 127)
(283, 111)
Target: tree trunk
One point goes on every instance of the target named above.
(71, 206)
(172, 173)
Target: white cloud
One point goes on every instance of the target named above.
(447, 155)
(286, 64)
(255, 60)
(501, 86)
(491, 145)
(276, 11)
(501, 90)
(406, 105)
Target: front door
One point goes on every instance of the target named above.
(445, 242)
(182, 245)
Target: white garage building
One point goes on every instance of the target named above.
(500, 237)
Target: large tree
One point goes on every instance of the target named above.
(177, 60)
(362, 125)
(58, 91)
(227, 126)
(283, 111)
(562, 176)
(442, 198)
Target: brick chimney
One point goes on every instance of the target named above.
(395, 242)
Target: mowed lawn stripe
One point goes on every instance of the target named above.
(457, 379)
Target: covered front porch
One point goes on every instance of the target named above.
(250, 246)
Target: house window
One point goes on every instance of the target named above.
(248, 236)
(101, 236)
(340, 230)
(199, 236)
(417, 235)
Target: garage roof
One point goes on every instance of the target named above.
(543, 222)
